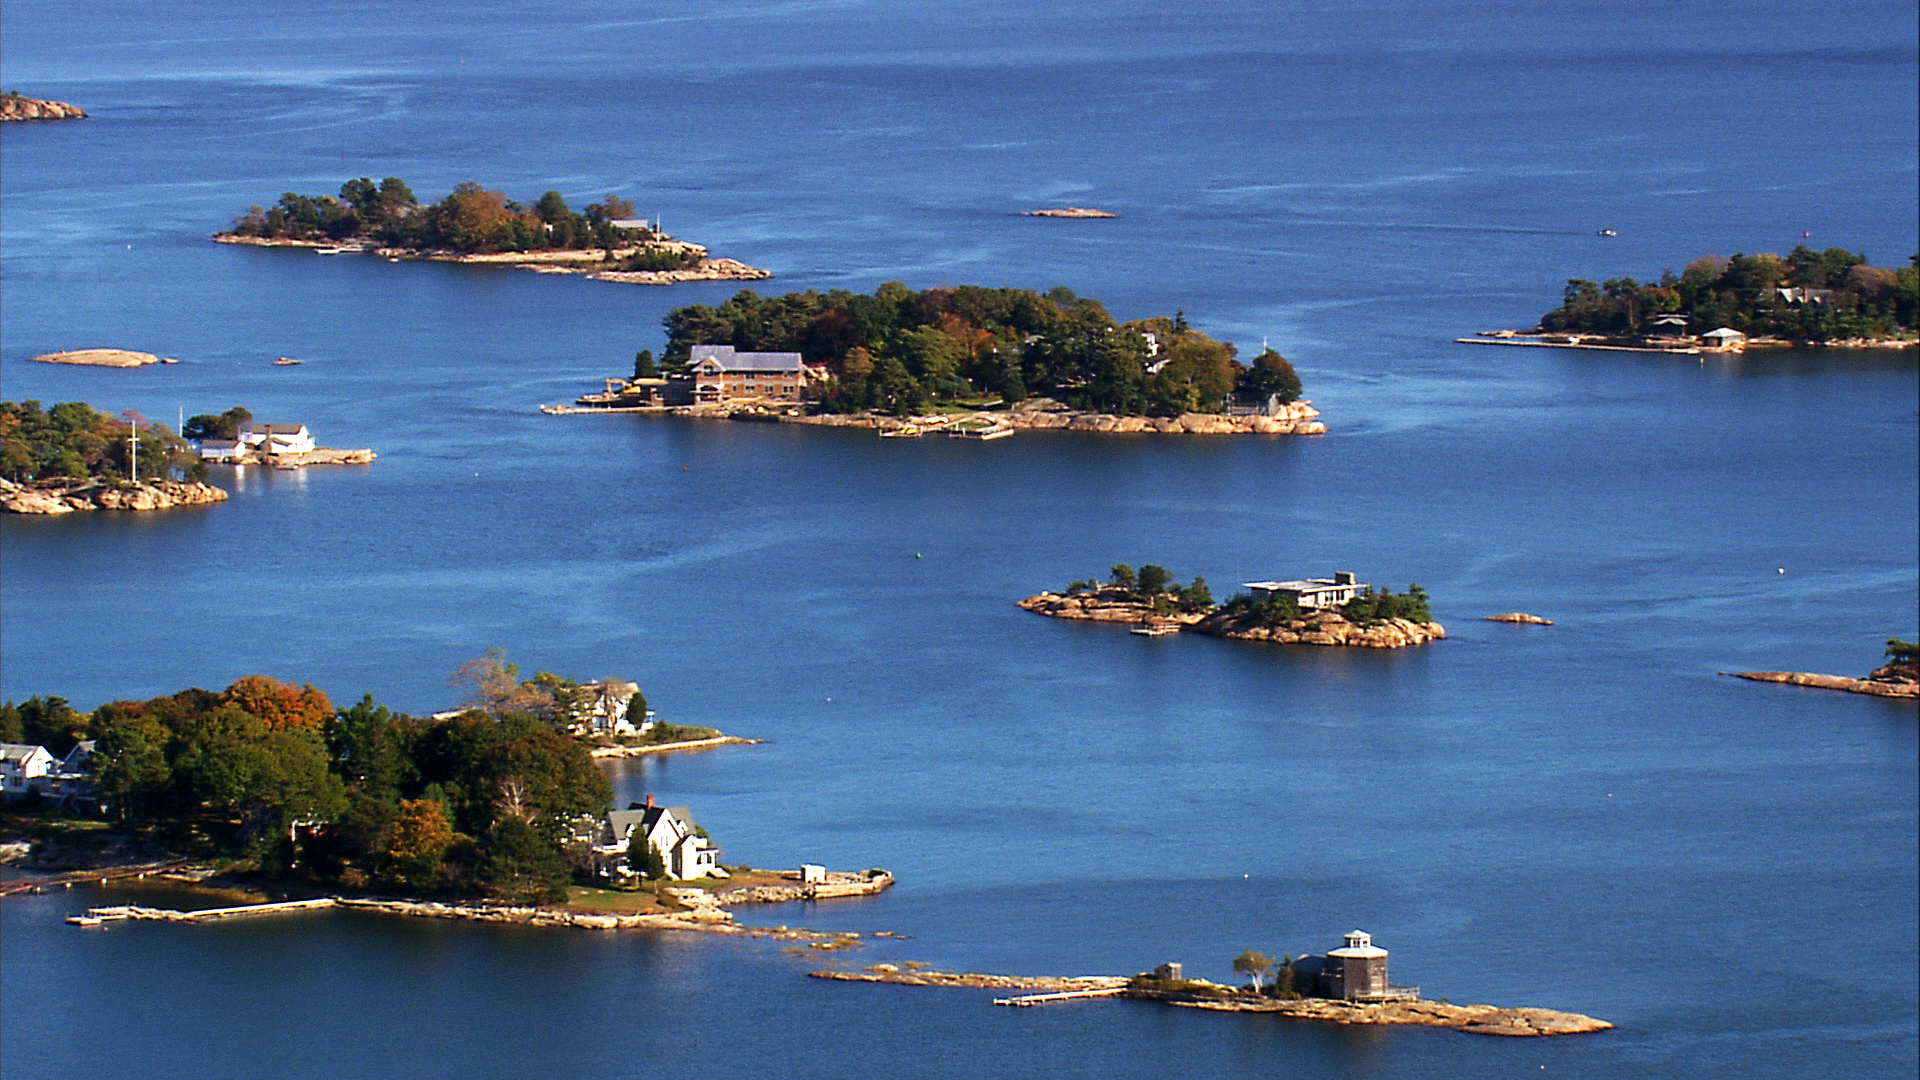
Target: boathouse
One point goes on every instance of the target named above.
(1311, 593)
(1725, 338)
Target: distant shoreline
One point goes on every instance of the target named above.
(1297, 418)
(584, 261)
(1541, 339)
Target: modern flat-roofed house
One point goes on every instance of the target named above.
(272, 440)
(721, 374)
(24, 768)
(1309, 594)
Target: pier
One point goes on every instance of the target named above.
(1029, 1000)
(96, 916)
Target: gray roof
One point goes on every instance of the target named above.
(20, 751)
(734, 360)
(623, 821)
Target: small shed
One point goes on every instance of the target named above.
(1725, 338)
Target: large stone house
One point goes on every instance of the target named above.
(722, 374)
(684, 849)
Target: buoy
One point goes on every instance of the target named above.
(1783, 569)
(917, 555)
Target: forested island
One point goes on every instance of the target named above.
(74, 457)
(1807, 297)
(475, 224)
(1336, 611)
(903, 352)
(269, 781)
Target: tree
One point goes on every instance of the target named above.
(1271, 374)
(52, 723)
(225, 425)
(421, 836)
(637, 709)
(493, 686)
(280, 705)
(1122, 575)
(520, 865)
(129, 765)
(644, 858)
(1254, 965)
(1153, 580)
(643, 365)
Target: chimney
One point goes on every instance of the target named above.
(649, 800)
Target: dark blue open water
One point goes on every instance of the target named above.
(1584, 817)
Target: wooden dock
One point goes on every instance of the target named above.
(1028, 1000)
(96, 916)
(1574, 345)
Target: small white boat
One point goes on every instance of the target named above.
(1156, 629)
(285, 361)
(1607, 232)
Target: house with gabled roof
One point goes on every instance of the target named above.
(273, 440)
(685, 851)
(24, 768)
(722, 373)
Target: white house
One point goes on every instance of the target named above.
(1725, 338)
(222, 449)
(72, 780)
(275, 439)
(24, 768)
(604, 709)
(685, 853)
(1311, 593)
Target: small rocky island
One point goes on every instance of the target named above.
(1321, 611)
(1898, 677)
(1070, 212)
(121, 358)
(15, 106)
(475, 225)
(1347, 985)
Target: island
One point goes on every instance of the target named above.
(1347, 985)
(17, 106)
(122, 358)
(972, 361)
(1721, 305)
(1898, 677)
(499, 800)
(234, 437)
(74, 457)
(1340, 610)
(1070, 212)
(475, 225)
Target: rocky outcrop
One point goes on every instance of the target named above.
(1070, 212)
(1106, 605)
(18, 107)
(1297, 418)
(1875, 687)
(1519, 617)
(99, 358)
(914, 975)
(1473, 1019)
(672, 747)
(834, 884)
(705, 270)
(588, 261)
(1324, 628)
(154, 495)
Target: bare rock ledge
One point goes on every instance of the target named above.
(18, 107)
(1519, 617)
(1874, 687)
(154, 495)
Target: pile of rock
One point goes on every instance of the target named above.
(92, 495)
(18, 107)
(1324, 628)
(1296, 418)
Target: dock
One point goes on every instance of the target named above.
(1575, 345)
(1029, 1000)
(96, 916)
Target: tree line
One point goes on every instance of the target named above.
(1857, 300)
(74, 441)
(485, 802)
(1152, 586)
(902, 351)
(471, 219)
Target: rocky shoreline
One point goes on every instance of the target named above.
(673, 747)
(1874, 687)
(1539, 338)
(1518, 617)
(20, 107)
(1070, 212)
(586, 261)
(1199, 994)
(1322, 628)
(94, 495)
(319, 455)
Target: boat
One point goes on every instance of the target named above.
(285, 361)
(907, 432)
(1608, 232)
(980, 432)
(349, 250)
(1156, 629)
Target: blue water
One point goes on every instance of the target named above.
(1583, 817)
